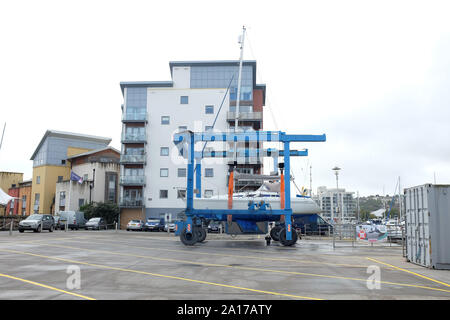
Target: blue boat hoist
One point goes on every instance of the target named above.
(192, 229)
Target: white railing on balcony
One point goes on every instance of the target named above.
(132, 179)
(133, 158)
(134, 116)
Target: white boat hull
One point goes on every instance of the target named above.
(298, 205)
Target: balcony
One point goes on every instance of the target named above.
(134, 137)
(133, 159)
(245, 116)
(132, 180)
(134, 117)
(131, 203)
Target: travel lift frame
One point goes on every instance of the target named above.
(191, 230)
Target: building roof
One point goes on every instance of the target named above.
(93, 152)
(159, 84)
(71, 135)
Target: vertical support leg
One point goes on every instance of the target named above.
(190, 175)
(189, 225)
(198, 178)
(287, 189)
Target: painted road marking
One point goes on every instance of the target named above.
(231, 255)
(45, 286)
(161, 275)
(245, 268)
(416, 274)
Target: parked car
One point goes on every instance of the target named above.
(153, 225)
(37, 223)
(75, 220)
(135, 225)
(95, 224)
(170, 226)
(214, 227)
(312, 224)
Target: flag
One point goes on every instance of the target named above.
(75, 177)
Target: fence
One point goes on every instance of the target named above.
(5, 222)
(391, 235)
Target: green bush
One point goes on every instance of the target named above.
(106, 210)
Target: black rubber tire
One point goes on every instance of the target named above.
(38, 229)
(188, 239)
(201, 234)
(285, 242)
(275, 233)
(51, 229)
(21, 231)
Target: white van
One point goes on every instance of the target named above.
(75, 220)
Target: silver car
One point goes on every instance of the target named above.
(95, 224)
(37, 223)
(135, 225)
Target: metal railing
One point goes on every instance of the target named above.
(134, 137)
(132, 180)
(248, 116)
(130, 202)
(134, 117)
(133, 158)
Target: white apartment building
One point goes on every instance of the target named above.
(153, 172)
(337, 205)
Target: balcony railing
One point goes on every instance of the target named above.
(133, 158)
(132, 180)
(245, 116)
(134, 117)
(134, 137)
(130, 203)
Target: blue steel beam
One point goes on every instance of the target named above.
(275, 136)
(249, 153)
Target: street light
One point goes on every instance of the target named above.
(336, 172)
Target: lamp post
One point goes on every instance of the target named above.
(336, 172)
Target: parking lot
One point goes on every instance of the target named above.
(147, 265)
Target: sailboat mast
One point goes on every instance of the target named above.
(236, 113)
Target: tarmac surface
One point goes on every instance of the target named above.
(145, 265)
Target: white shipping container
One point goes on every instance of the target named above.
(427, 213)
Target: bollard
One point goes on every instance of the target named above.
(116, 226)
(11, 227)
(67, 224)
(42, 225)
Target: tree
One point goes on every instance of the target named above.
(106, 210)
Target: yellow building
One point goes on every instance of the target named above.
(50, 164)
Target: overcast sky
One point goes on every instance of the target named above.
(372, 75)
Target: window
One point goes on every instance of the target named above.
(181, 194)
(112, 181)
(165, 120)
(209, 109)
(80, 202)
(209, 193)
(182, 128)
(181, 172)
(164, 151)
(164, 172)
(208, 128)
(60, 178)
(38, 179)
(184, 99)
(62, 198)
(163, 194)
(209, 172)
(63, 161)
(24, 203)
